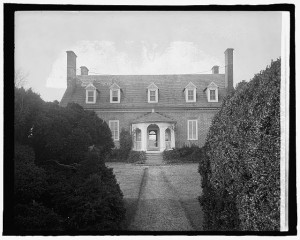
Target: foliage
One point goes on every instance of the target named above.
(27, 106)
(185, 154)
(241, 167)
(137, 157)
(90, 199)
(125, 143)
(61, 181)
(65, 134)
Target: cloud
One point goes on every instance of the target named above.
(104, 57)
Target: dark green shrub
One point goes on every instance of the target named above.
(65, 134)
(125, 143)
(183, 155)
(36, 217)
(89, 199)
(137, 157)
(243, 157)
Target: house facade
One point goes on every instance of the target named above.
(160, 111)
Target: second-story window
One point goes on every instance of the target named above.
(115, 93)
(190, 92)
(212, 95)
(90, 93)
(212, 92)
(152, 93)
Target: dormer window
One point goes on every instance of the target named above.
(152, 93)
(90, 93)
(190, 92)
(115, 93)
(212, 92)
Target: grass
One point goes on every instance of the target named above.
(184, 179)
(130, 179)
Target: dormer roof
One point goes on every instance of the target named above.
(114, 86)
(211, 85)
(152, 86)
(90, 86)
(190, 86)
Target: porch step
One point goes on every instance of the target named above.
(154, 159)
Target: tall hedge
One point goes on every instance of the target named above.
(61, 181)
(241, 170)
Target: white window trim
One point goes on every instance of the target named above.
(216, 93)
(87, 99)
(156, 95)
(188, 128)
(111, 95)
(113, 121)
(187, 95)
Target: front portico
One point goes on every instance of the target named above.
(153, 132)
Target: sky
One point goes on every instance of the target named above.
(147, 42)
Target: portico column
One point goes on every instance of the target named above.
(172, 137)
(144, 138)
(162, 138)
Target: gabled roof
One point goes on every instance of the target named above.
(152, 86)
(114, 86)
(134, 90)
(153, 117)
(90, 86)
(190, 86)
(211, 85)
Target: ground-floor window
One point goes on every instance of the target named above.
(192, 130)
(114, 127)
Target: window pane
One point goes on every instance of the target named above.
(194, 129)
(190, 129)
(190, 94)
(114, 127)
(152, 98)
(90, 96)
(115, 95)
(212, 94)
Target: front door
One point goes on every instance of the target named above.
(152, 140)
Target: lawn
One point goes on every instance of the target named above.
(183, 179)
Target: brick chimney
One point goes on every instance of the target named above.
(84, 70)
(71, 69)
(215, 69)
(229, 69)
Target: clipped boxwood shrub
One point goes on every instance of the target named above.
(137, 157)
(241, 170)
(185, 154)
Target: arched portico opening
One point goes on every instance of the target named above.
(153, 138)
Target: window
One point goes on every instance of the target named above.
(190, 95)
(114, 128)
(115, 96)
(115, 93)
(212, 95)
(152, 93)
(212, 92)
(192, 130)
(90, 96)
(190, 92)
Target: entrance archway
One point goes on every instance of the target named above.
(153, 136)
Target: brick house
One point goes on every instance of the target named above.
(160, 111)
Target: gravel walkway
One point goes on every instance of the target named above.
(159, 207)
